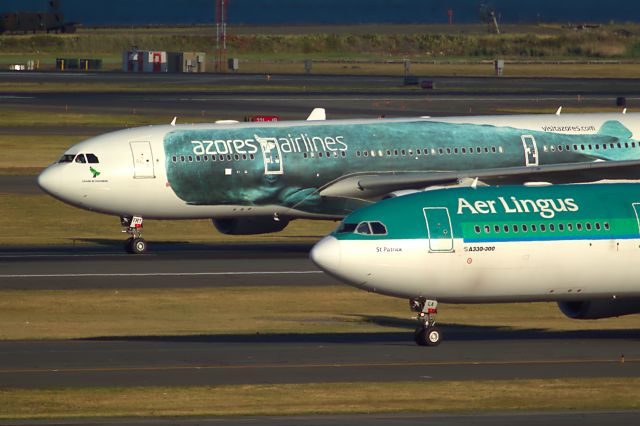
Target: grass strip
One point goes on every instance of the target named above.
(329, 398)
(67, 314)
(52, 222)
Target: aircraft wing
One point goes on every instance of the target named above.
(374, 185)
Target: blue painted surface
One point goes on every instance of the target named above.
(274, 12)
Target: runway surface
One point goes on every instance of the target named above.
(618, 418)
(293, 96)
(480, 354)
(165, 266)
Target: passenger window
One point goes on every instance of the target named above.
(496, 228)
(363, 228)
(477, 229)
(515, 228)
(487, 229)
(80, 159)
(560, 227)
(534, 228)
(598, 227)
(570, 226)
(543, 228)
(579, 227)
(174, 159)
(588, 226)
(506, 228)
(524, 228)
(606, 226)
(552, 227)
(378, 228)
(92, 159)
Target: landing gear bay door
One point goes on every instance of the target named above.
(272, 155)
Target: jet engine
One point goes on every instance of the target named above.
(600, 308)
(250, 225)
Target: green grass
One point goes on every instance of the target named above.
(327, 398)
(49, 221)
(70, 314)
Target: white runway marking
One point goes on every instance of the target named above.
(159, 274)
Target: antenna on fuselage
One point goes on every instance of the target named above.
(624, 111)
(173, 122)
(559, 110)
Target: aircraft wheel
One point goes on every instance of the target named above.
(427, 336)
(128, 245)
(433, 336)
(138, 246)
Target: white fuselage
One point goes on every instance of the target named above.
(494, 272)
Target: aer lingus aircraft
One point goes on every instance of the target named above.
(575, 244)
(256, 177)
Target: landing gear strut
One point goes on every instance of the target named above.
(426, 334)
(133, 226)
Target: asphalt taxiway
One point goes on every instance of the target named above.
(164, 266)
(582, 418)
(482, 354)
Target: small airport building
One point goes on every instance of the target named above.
(153, 61)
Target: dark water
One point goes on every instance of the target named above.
(281, 12)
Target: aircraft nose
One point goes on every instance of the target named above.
(326, 254)
(51, 182)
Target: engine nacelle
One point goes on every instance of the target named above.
(250, 225)
(600, 308)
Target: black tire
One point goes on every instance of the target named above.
(433, 336)
(128, 245)
(420, 336)
(138, 246)
(427, 336)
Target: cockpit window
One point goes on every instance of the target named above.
(378, 228)
(67, 158)
(92, 159)
(80, 158)
(363, 228)
(347, 228)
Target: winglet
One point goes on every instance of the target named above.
(559, 110)
(173, 122)
(474, 184)
(624, 111)
(318, 114)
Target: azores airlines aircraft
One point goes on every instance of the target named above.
(577, 244)
(252, 178)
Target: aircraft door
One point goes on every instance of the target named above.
(530, 150)
(272, 155)
(439, 229)
(142, 160)
(636, 208)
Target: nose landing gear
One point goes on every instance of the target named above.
(135, 244)
(426, 334)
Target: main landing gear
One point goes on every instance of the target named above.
(133, 226)
(426, 334)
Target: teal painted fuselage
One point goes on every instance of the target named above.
(289, 165)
